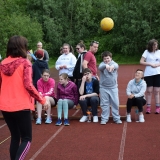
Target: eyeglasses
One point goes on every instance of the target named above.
(77, 48)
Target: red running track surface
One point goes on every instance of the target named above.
(92, 141)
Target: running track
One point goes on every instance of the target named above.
(92, 141)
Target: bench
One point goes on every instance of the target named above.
(79, 116)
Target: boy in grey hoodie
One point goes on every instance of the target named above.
(109, 88)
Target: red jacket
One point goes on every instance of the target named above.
(16, 86)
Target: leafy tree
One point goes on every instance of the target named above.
(13, 22)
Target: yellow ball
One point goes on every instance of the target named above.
(107, 24)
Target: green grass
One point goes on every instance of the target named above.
(117, 58)
(127, 59)
(52, 62)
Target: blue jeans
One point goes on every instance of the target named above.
(89, 101)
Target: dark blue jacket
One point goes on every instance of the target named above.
(38, 67)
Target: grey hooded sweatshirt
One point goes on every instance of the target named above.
(138, 89)
(108, 79)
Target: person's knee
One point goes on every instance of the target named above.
(139, 102)
(82, 102)
(65, 102)
(149, 91)
(59, 103)
(47, 98)
(156, 92)
(94, 100)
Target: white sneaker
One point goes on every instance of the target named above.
(103, 122)
(95, 118)
(83, 119)
(141, 118)
(129, 118)
(118, 121)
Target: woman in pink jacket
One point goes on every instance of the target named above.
(46, 87)
(16, 89)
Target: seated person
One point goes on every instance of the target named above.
(136, 91)
(67, 96)
(89, 91)
(46, 87)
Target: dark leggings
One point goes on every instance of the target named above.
(19, 124)
(139, 102)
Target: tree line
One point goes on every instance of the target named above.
(55, 22)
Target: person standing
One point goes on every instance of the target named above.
(16, 89)
(46, 55)
(136, 95)
(38, 66)
(78, 70)
(90, 59)
(109, 88)
(66, 62)
(151, 59)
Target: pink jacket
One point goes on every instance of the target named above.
(46, 88)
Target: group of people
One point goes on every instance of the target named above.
(83, 74)
(78, 83)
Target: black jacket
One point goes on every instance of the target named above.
(78, 69)
(38, 67)
(95, 86)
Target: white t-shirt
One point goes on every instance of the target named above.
(151, 57)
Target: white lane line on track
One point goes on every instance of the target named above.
(5, 140)
(75, 112)
(3, 125)
(49, 140)
(121, 152)
(45, 145)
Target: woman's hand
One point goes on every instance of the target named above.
(46, 105)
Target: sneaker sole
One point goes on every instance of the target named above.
(118, 122)
(38, 123)
(48, 123)
(84, 121)
(66, 124)
(141, 121)
(103, 123)
(58, 124)
(148, 112)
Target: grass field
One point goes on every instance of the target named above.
(117, 58)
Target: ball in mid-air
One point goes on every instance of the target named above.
(107, 24)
